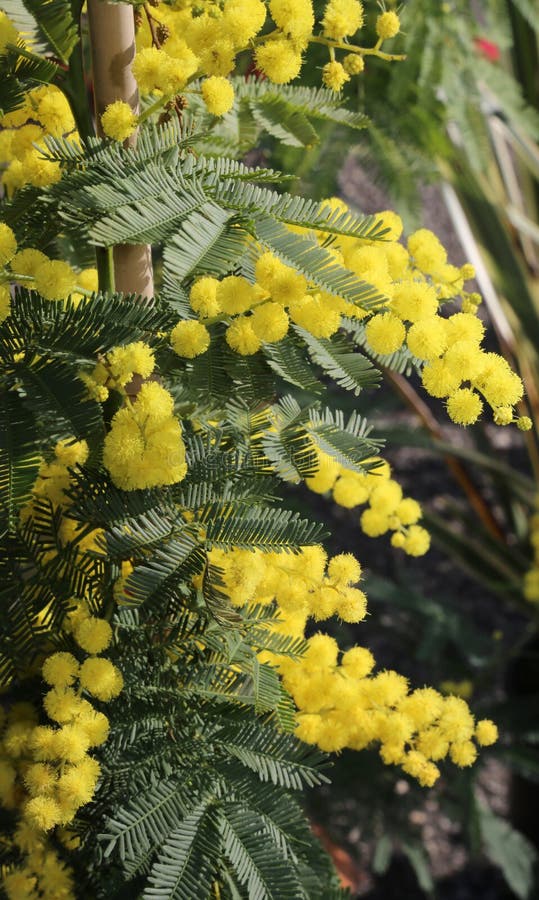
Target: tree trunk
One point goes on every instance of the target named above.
(112, 38)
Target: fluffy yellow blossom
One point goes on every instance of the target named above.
(43, 813)
(93, 634)
(155, 70)
(119, 121)
(387, 25)
(26, 262)
(144, 446)
(235, 295)
(342, 18)
(189, 338)
(60, 669)
(385, 333)
(8, 32)
(334, 75)
(124, 362)
(101, 678)
(294, 17)
(464, 406)
(8, 244)
(279, 60)
(55, 279)
(241, 337)
(270, 322)
(203, 297)
(486, 733)
(5, 302)
(218, 95)
(353, 63)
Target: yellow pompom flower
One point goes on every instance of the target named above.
(386, 497)
(8, 32)
(417, 541)
(43, 813)
(427, 338)
(270, 322)
(155, 70)
(374, 523)
(353, 63)
(314, 315)
(342, 18)
(503, 415)
(358, 662)
(203, 297)
(40, 778)
(8, 244)
(242, 20)
(93, 635)
(144, 447)
(5, 302)
(71, 741)
(334, 75)
(387, 25)
(189, 338)
(55, 279)
(119, 121)
(350, 490)
(524, 423)
(101, 678)
(61, 704)
(464, 406)
(414, 301)
(486, 733)
(241, 337)
(77, 784)
(26, 262)
(294, 17)
(463, 753)
(464, 327)
(95, 725)
(60, 669)
(218, 95)
(136, 358)
(235, 295)
(427, 251)
(385, 333)
(408, 511)
(439, 379)
(344, 570)
(352, 606)
(279, 60)
(322, 650)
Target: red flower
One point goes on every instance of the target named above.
(487, 49)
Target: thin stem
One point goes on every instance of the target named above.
(351, 48)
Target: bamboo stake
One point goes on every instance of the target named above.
(112, 38)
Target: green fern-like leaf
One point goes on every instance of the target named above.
(49, 24)
(341, 361)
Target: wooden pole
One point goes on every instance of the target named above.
(112, 39)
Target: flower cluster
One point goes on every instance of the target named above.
(387, 509)
(54, 279)
(44, 112)
(340, 702)
(52, 484)
(46, 772)
(144, 446)
(531, 578)
(40, 871)
(184, 41)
